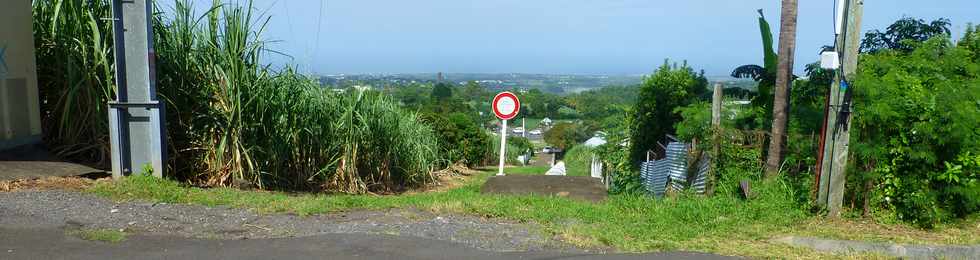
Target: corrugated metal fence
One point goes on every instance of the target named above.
(671, 172)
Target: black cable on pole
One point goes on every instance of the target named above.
(316, 44)
(845, 108)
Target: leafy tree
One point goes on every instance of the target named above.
(654, 115)
(696, 123)
(568, 113)
(472, 91)
(903, 34)
(564, 135)
(442, 91)
(461, 139)
(412, 95)
(916, 141)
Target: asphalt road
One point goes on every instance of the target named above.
(53, 243)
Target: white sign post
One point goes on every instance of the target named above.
(505, 106)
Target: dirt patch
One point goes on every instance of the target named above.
(452, 177)
(575, 187)
(34, 161)
(47, 183)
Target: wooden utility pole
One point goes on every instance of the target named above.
(832, 173)
(784, 78)
(716, 103)
(716, 100)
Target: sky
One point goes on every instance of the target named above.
(556, 36)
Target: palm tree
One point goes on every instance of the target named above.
(784, 77)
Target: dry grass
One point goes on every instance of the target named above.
(47, 183)
(452, 177)
(961, 233)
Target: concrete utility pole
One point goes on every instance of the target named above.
(838, 124)
(136, 121)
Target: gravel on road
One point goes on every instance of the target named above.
(73, 209)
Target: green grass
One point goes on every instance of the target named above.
(526, 170)
(578, 161)
(720, 224)
(104, 235)
(625, 222)
(531, 123)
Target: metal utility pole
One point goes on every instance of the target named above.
(837, 128)
(524, 127)
(136, 121)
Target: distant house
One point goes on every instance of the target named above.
(595, 141)
(546, 121)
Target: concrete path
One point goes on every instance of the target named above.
(557, 170)
(890, 249)
(52, 243)
(32, 161)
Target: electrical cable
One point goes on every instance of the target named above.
(289, 22)
(316, 47)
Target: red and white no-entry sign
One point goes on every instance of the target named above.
(506, 105)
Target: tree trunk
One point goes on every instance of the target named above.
(868, 184)
(784, 77)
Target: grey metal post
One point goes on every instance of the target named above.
(136, 121)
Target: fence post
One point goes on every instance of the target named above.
(716, 102)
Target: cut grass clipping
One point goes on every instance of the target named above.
(104, 235)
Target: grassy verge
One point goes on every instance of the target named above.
(104, 235)
(720, 224)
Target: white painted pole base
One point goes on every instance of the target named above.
(503, 147)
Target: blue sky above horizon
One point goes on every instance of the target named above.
(555, 36)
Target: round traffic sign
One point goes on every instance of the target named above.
(506, 105)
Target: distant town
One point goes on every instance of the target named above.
(550, 83)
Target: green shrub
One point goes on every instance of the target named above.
(565, 135)
(915, 136)
(654, 115)
(695, 123)
(460, 139)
